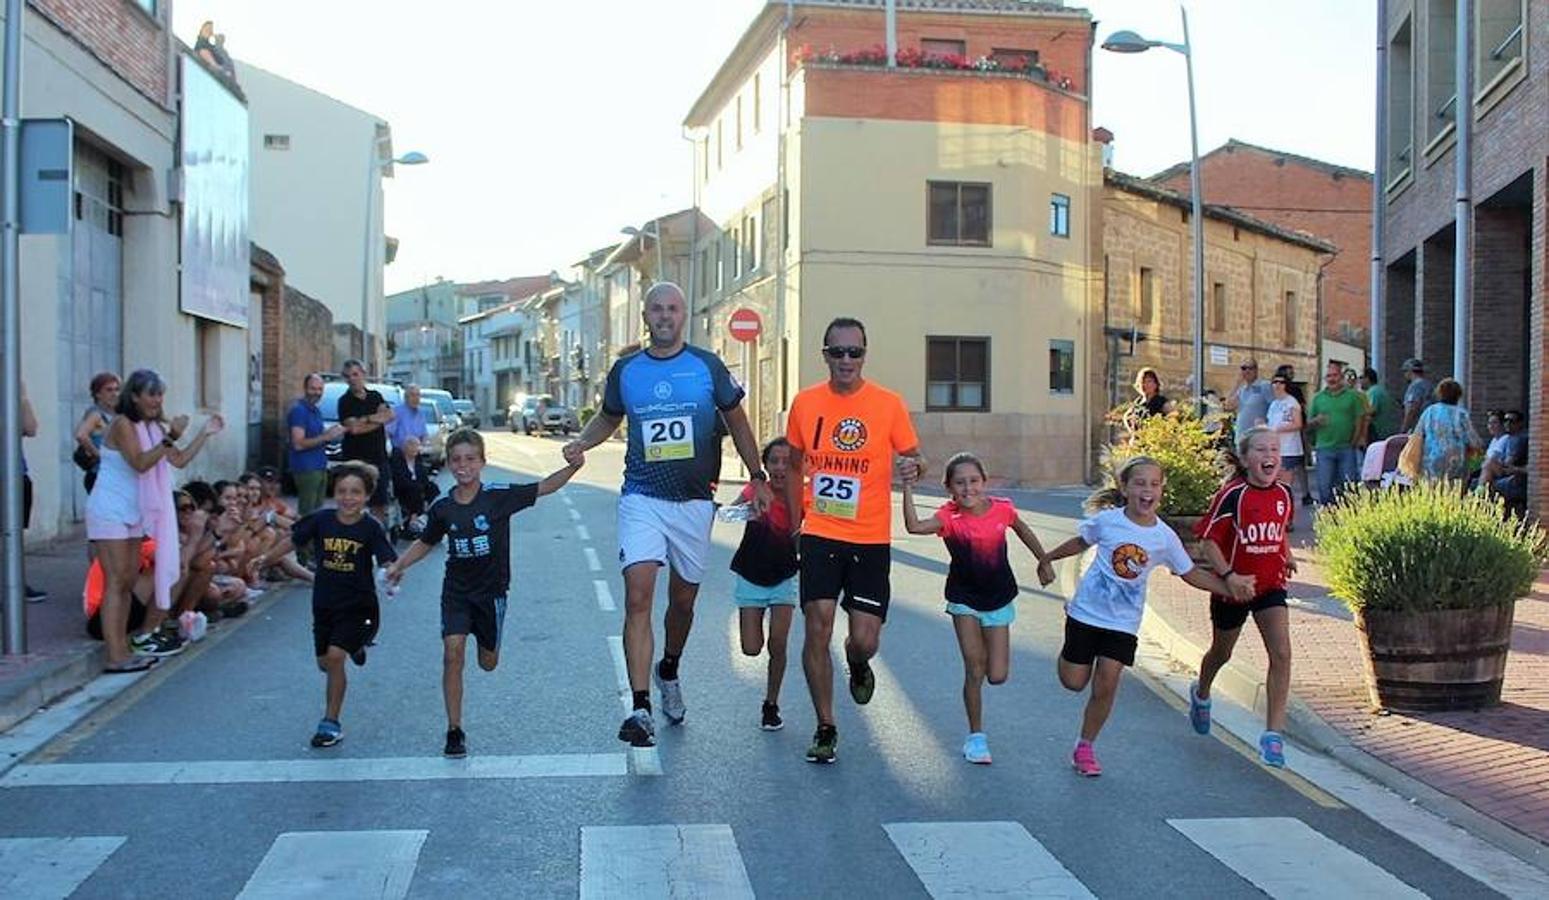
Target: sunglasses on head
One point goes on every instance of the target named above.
(1248, 367)
(1279, 381)
(841, 352)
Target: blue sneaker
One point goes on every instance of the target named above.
(329, 733)
(1272, 749)
(1199, 710)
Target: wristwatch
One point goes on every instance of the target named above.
(760, 475)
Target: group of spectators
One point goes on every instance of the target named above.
(1354, 430)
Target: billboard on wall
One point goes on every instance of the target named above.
(214, 157)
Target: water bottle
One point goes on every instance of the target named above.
(387, 588)
(736, 512)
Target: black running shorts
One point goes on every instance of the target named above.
(1084, 643)
(857, 575)
(484, 618)
(1230, 616)
(347, 627)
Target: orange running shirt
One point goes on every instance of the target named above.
(848, 443)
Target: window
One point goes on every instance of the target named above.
(148, 5)
(959, 214)
(1062, 367)
(1289, 332)
(1145, 307)
(1441, 85)
(767, 219)
(715, 263)
(720, 155)
(735, 256)
(758, 103)
(276, 142)
(941, 47)
(1498, 39)
(1059, 215)
(957, 373)
(749, 244)
(1400, 103)
(704, 155)
(1218, 307)
(739, 121)
(1008, 58)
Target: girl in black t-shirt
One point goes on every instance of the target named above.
(765, 566)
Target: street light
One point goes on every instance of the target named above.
(373, 171)
(1130, 42)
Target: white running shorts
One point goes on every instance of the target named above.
(674, 533)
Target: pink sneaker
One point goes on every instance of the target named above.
(1085, 760)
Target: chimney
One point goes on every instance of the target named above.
(1105, 137)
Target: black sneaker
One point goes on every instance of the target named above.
(639, 730)
(456, 744)
(157, 643)
(359, 657)
(35, 596)
(863, 683)
(825, 745)
(771, 720)
(329, 732)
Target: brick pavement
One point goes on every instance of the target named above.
(1494, 760)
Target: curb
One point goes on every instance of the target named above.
(48, 681)
(1246, 688)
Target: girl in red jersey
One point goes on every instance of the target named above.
(1245, 534)
(980, 583)
(765, 566)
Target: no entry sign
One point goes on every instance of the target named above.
(745, 325)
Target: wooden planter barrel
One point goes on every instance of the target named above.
(1437, 660)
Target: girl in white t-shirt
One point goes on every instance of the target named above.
(1103, 618)
(1285, 419)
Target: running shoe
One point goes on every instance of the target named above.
(1272, 749)
(672, 697)
(825, 744)
(456, 744)
(1085, 760)
(977, 749)
(34, 595)
(329, 732)
(863, 683)
(1199, 710)
(359, 656)
(639, 730)
(157, 643)
(771, 717)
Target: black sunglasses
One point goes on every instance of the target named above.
(1248, 368)
(185, 507)
(841, 352)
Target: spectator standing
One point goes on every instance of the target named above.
(1338, 415)
(1386, 417)
(1417, 396)
(1446, 434)
(29, 429)
(364, 413)
(1249, 400)
(1285, 420)
(1294, 388)
(94, 424)
(1150, 400)
(306, 457)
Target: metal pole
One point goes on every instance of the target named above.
(892, 33)
(661, 268)
(11, 344)
(1463, 256)
(373, 165)
(1378, 329)
(1198, 216)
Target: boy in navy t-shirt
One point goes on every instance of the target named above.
(476, 519)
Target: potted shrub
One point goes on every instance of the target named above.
(1189, 455)
(1432, 576)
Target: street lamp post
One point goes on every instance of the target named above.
(373, 171)
(1130, 42)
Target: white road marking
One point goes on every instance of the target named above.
(575, 514)
(604, 596)
(665, 861)
(592, 563)
(583, 532)
(328, 864)
(567, 500)
(41, 727)
(1285, 857)
(981, 859)
(287, 771)
(642, 760)
(51, 868)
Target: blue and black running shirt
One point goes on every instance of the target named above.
(674, 407)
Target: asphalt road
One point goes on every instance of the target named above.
(198, 782)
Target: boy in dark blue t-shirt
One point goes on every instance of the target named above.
(477, 517)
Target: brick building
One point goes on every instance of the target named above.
(1509, 179)
(1298, 193)
(1260, 300)
(297, 340)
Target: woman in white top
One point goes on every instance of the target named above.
(1285, 418)
(115, 519)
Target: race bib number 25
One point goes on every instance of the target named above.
(668, 439)
(836, 495)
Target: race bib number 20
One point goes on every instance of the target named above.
(668, 439)
(836, 495)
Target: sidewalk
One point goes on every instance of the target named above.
(1494, 760)
(60, 657)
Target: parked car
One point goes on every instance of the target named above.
(329, 406)
(444, 402)
(436, 431)
(526, 414)
(468, 412)
(560, 419)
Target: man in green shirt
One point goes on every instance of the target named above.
(1385, 416)
(1339, 416)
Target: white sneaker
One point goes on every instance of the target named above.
(977, 749)
(672, 697)
(638, 730)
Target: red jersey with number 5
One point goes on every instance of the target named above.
(1248, 523)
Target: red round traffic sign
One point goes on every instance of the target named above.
(745, 325)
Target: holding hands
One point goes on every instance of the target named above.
(574, 454)
(1243, 587)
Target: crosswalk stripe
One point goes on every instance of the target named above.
(1285, 857)
(643, 862)
(978, 859)
(642, 760)
(50, 868)
(329, 864)
(274, 771)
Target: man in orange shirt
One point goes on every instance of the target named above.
(844, 436)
